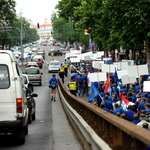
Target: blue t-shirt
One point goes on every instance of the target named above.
(141, 106)
(124, 90)
(80, 78)
(136, 121)
(129, 115)
(52, 79)
(118, 110)
(74, 76)
(106, 109)
(108, 104)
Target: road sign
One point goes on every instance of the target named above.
(22, 59)
(29, 56)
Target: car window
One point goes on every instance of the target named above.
(54, 63)
(4, 77)
(32, 71)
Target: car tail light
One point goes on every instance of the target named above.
(36, 65)
(19, 105)
(40, 77)
(27, 65)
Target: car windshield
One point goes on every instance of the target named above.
(39, 53)
(4, 77)
(32, 71)
(54, 63)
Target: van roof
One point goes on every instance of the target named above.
(10, 53)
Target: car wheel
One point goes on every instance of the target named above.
(26, 130)
(30, 118)
(40, 84)
(33, 116)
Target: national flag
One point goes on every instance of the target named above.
(107, 88)
(148, 79)
(88, 79)
(92, 93)
(123, 98)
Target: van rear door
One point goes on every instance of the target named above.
(7, 89)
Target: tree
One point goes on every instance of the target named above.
(7, 9)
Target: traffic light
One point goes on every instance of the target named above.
(38, 26)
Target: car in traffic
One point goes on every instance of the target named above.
(31, 64)
(34, 49)
(56, 52)
(13, 107)
(41, 53)
(50, 52)
(45, 43)
(34, 74)
(17, 54)
(38, 61)
(53, 66)
(62, 50)
(38, 57)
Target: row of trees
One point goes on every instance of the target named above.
(111, 23)
(8, 17)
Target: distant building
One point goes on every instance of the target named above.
(45, 31)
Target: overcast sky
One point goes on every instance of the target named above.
(36, 10)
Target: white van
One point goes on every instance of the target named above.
(13, 106)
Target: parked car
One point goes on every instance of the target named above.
(34, 75)
(13, 107)
(54, 66)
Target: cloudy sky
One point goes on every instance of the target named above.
(36, 10)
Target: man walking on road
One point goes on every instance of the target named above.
(61, 73)
(72, 86)
(53, 85)
(66, 68)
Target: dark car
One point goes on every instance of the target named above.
(57, 53)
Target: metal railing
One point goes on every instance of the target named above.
(118, 133)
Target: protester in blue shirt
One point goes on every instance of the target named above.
(130, 113)
(104, 108)
(136, 119)
(107, 103)
(75, 75)
(80, 84)
(147, 107)
(100, 96)
(117, 109)
(124, 89)
(141, 105)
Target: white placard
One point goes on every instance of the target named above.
(143, 69)
(122, 65)
(97, 64)
(133, 71)
(146, 86)
(96, 77)
(109, 68)
(121, 73)
(126, 79)
(130, 62)
(75, 60)
(67, 54)
(87, 58)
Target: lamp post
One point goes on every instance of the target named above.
(22, 55)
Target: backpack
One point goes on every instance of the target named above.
(53, 84)
(80, 81)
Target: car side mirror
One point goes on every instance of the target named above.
(41, 73)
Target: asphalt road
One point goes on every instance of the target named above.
(48, 131)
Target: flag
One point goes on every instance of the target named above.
(148, 79)
(88, 79)
(123, 98)
(108, 62)
(116, 80)
(92, 93)
(107, 88)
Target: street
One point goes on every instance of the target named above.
(47, 131)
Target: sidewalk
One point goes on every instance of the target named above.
(63, 136)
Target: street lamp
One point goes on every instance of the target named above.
(21, 35)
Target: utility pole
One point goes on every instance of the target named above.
(22, 54)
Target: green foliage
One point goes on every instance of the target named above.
(6, 12)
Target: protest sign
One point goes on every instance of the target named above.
(75, 60)
(121, 73)
(128, 79)
(96, 77)
(146, 86)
